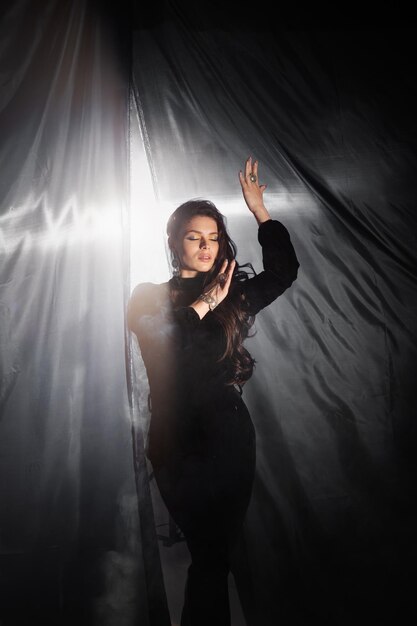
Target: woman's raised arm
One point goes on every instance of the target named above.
(278, 255)
(253, 192)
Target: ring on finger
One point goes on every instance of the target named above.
(252, 178)
(222, 278)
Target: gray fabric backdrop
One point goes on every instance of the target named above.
(330, 116)
(329, 113)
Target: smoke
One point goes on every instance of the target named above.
(124, 599)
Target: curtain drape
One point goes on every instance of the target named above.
(92, 164)
(77, 545)
(329, 114)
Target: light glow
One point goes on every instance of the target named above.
(71, 225)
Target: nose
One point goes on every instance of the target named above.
(204, 243)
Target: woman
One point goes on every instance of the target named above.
(191, 332)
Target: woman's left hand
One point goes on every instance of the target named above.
(253, 191)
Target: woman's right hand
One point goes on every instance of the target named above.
(216, 291)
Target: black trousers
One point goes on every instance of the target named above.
(207, 491)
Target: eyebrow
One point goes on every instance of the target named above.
(200, 232)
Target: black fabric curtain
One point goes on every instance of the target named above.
(330, 114)
(110, 117)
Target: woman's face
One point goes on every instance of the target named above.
(199, 246)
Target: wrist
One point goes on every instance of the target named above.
(261, 214)
(200, 307)
(209, 299)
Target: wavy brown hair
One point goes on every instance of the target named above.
(232, 312)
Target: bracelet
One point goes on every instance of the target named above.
(208, 299)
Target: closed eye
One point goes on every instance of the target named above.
(197, 238)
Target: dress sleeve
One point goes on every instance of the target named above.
(280, 268)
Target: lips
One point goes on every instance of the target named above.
(204, 257)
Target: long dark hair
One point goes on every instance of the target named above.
(232, 313)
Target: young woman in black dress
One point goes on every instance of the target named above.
(191, 331)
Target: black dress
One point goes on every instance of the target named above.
(201, 438)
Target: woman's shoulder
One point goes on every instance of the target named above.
(147, 289)
(146, 298)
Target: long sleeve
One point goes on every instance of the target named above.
(169, 338)
(160, 333)
(280, 267)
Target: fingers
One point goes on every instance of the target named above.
(222, 276)
(225, 270)
(229, 269)
(248, 167)
(223, 267)
(251, 167)
(226, 267)
(230, 273)
(219, 288)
